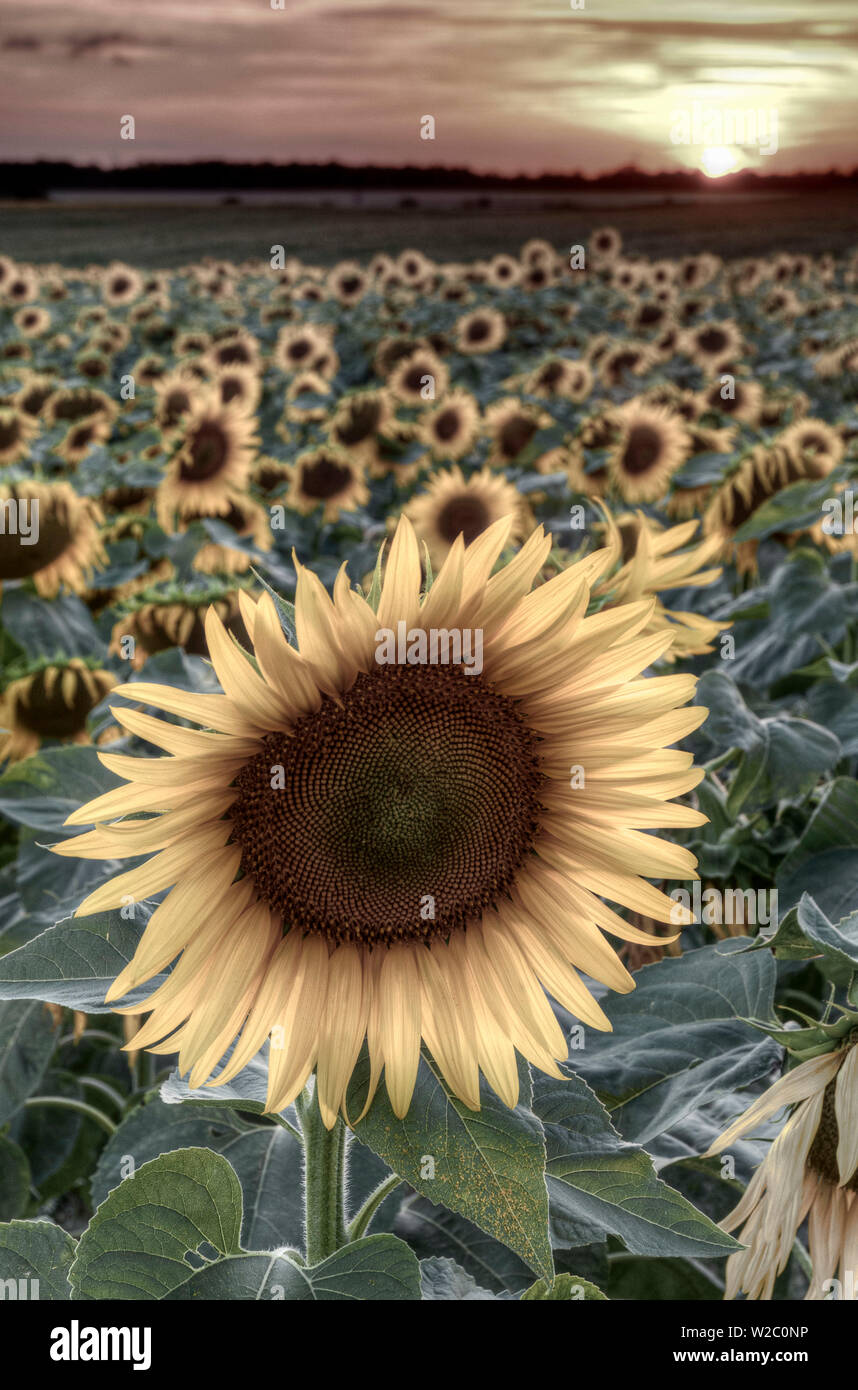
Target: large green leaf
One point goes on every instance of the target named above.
(76, 962)
(486, 1164)
(824, 863)
(442, 1280)
(37, 1250)
(595, 1175)
(806, 934)
(267, 1160)
(679, 1039)
(374, 1269)
(14, 1179)
(27, 1040)
(44, 790)
(137, 1244)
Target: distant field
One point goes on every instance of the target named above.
(160, 235)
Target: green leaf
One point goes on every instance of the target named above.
(435, 1233)
(267, 1160)
(76, 962)
(27, 1040)
(43, 791)
(566, 1288)
(443, 1280)
(31, 1250)
(14, 1179)
(805, 933)
(137, 1243)
(824, 863)
(593, 1175)
(487, 1164)
(794, 508)
(375, 1269)
(679, 1040)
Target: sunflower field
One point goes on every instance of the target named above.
(428, 803)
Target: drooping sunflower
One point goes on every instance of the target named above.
(330, 478)
(302, 397)
(811, 1171)
(451, 427)
(413, 864)
(53, 701)
(483, 330)
(652, 444)
(813, 446)
(453, 505)
(214, 447)
(157, 621)
(17, 431)
(57, 542)
(358, 420)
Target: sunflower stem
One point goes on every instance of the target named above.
(70, 1103)
(324, 1181)
(371, 1205)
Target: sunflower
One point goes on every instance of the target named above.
(810, 1171)
(711, 344)
(358, 420)
(813, 446)
(35, 393)
(149, 369)
(348, 283)
(652, 444)
(511, 426)
(174, 393)
(454, 506)
(625, 359)
(414, 269)
(451, 428)
(484, 330)
(297, 348)
(238, 386)
(743, 400)
(237, 348)
(247, 519)
(66, 547)
(51, 702)
(32, 321)
(17, 431)
(604, 246)
(121, 284)
(327, 477)
(157, 623)
(503, 271)
(214, 447)
(395, 454)
(22, 286)
(413, 865)
(412, 376)
(269, 475)
(558, 377)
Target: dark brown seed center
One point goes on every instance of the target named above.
(465, 516)
(822, 1158)
(401, 815)
(642, 449)
(206, 454)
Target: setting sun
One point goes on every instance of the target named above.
(718, 160)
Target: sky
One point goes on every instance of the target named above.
(512, 85)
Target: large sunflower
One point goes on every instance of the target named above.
(454, 505)
(413, 864)
(66, 547)
(652, 444)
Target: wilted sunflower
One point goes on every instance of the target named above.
(451, 428)
(157, 622)
(330, 478)
(51, 702)
(17, 431)
(358, 420)
(484, 330)
(214, 447)
(810, 1171)
(66, 547)
(814, 447)
(454, 506)
(652, 444)
(414, 866)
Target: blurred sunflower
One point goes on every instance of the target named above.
(484, 330)
(810, 1173)
(32, 321)
(34, 393)
(298, 347)
(247, 519)
(399, 786)
(511, 425)
(604, 246)
(358, 420)
(174, 393)
(454, 506)
(66, 547)
(652, 444)
(712, 344)
(330, 478)
(743, 399)
(451, 428)
(238, 349)
(175, 619)
(53, 701)
(503, 271)
(121, 284)
(422, 371)
(214, 447)
(17, 432)
(348, 283)
(238, 386)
